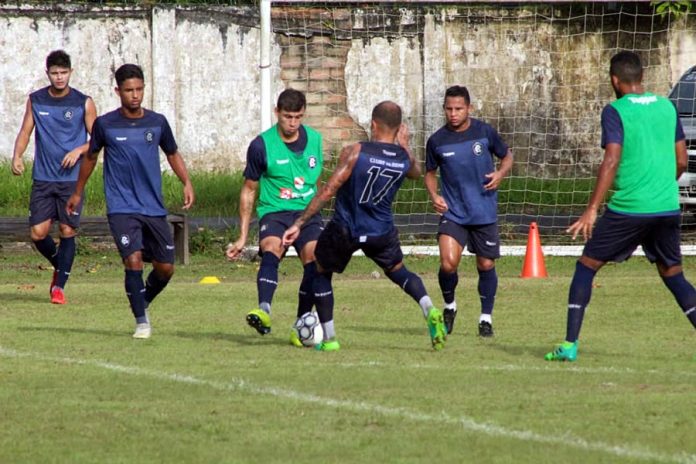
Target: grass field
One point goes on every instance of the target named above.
(206, 389)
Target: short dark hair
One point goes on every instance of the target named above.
(458, 91)
(627, 67)
(291, 100)
(128, 71)
(58, 58)
(388, 114)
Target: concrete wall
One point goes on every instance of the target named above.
(537, 73)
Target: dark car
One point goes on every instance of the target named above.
(683, 95)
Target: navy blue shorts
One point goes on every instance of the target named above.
(149, 234)
(275, 225)
(336, 246)
(48, 201)
(616, 237)
(482, 239)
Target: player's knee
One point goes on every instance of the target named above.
(164, 271)
(668, 271)
(39, 233)
(448, 267)
(134, 261)
(66, 231)
(484, 265)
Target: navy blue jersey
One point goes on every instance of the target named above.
(256, 154)
(59, 128)
(363, 203)
(464, 159)
(612, 127)
(132, 176)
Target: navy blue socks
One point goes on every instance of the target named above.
(305, 299)
(448, 283)
(47, 247)
(578, 299)
(487, 287)
(409, 283)
(64, 260)
(154, 284)
(684, 293)
(267, 280)
(135, 290)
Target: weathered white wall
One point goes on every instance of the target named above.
(529, 77)
(378, 70)
(202, 76)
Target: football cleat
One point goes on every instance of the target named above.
(54, 279)
(57, 296)
(328, 345)
(295, 339)
(436, 326)
(259, 320)
(566, 351)
(142, 331)
(449, 315)
(485, 329)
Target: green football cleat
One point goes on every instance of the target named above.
(259, 320)
(328, 345)
(295, 339)
(436, 326)
(566, 351)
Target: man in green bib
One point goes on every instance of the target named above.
(283, 165)
(644, 155)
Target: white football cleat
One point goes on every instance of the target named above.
(142, 330)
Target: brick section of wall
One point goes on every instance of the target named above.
(312, 60)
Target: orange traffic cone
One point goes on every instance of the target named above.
(534, 258)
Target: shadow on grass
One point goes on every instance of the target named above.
(76, 330)
(250, 339)
(25, 297)
(410, 331)
(240, 339)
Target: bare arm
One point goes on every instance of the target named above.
(86, 169)
(70, 158)
(682, 157)
(439, 203)
(22, 140)
(605, 179)
(246, 206)
(346, 163)
(179, 168)
(497, 176)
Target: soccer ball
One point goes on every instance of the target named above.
(309, 329)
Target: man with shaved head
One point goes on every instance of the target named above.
(365, 183)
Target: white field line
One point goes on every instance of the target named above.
(546, 368)
(467, 423)
(510, 250)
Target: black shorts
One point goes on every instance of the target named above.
(482, 239)
(48, 201)
(275, 225)
(149, 234)
(616, 237)
(336, 246)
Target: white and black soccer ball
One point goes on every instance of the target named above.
(309, 329)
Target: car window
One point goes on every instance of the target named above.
(683, 95)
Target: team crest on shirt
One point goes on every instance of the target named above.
(299, 183)
(67, 115)
(477, 148)
(312, 162)
(149, 136)
(125, 240)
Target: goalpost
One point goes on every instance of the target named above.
(537, 72)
